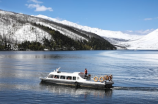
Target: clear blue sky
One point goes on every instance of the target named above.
(116, 15)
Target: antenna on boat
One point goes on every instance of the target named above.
(57, 69)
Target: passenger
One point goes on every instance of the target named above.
(85, 72)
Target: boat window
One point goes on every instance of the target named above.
(69, 77)
(74, 78)
(50, 76)
(82, 75)
(62, 77)
(78, 78)
(56, 76)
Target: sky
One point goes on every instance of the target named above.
(131, 16)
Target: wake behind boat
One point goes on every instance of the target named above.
(78, 79)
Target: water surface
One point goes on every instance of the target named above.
(135, 75)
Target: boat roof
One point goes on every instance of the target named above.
(65, 73)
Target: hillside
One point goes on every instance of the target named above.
(117, 38)
(148, 42)
(100, 32)
(30, 32)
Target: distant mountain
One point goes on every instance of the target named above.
(30, 32)
(18, 28)
(148, 42)
(117, 38)
(100, 32)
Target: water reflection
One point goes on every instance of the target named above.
(67, 90)
(31, 56)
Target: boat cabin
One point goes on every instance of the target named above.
(68, 76)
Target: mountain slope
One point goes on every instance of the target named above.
(18, 28)
(148, 42)
(103, 33)
(117, 38)
(30, 33)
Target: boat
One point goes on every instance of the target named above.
(79, 79)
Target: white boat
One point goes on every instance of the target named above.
(78, 79)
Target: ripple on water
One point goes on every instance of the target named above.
(135, 76)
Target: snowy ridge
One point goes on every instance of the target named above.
(17, 32)
(19, 27)
(139, 42)
(16, 27)
(103, 33)
(148, 42)
(63, 31)
(5, 12)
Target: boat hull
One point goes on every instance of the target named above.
(87, 84)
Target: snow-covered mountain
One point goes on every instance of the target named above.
(100, 32)
(13, 28)
(19, 27)
(118, 38)
(148, 42)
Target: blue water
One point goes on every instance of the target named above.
(135, 74)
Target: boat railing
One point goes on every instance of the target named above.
(100, 76)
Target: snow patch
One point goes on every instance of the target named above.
(63, 31)
(30, 33)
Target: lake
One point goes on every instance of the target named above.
(135, 74)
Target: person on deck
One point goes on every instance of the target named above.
(85, 72)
